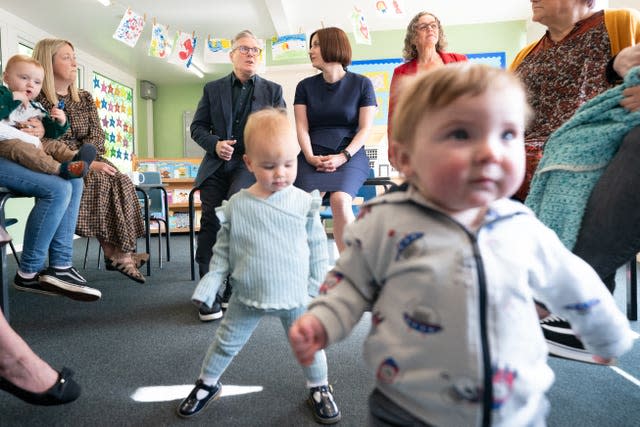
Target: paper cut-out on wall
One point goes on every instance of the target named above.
(216, 51)
(360, 28)
(130, 28)
(161, 43)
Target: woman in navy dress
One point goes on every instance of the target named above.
(334, 113)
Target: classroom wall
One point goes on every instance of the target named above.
(173, 100)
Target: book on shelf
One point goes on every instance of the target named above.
(179, 195)
(166, 169)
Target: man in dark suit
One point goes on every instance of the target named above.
(218, 127)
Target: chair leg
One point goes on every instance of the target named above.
(86, 252)
(99, 255)
(15, 255)
(159, 242)
(632, 290)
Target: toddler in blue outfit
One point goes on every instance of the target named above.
(273, 249)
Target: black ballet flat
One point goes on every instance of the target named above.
(192, 406)
(65, 390)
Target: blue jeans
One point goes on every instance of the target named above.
(52, 221)
(236, 328)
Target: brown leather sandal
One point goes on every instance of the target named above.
(139, 258)
(128, 268)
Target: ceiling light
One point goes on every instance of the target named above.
(105, 2)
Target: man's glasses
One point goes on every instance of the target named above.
(425, 27)
(246, 49)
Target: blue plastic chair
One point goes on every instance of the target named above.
(157, 211)
(367, 192)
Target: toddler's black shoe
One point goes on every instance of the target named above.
(323, 407)
(192, 406)
(207, 314)
(65, 390)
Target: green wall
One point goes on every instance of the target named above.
(167, 120)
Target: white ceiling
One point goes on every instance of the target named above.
(90, 25)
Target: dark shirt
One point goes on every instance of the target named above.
(241, 97)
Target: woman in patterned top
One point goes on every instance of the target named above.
(109, 209)
(583, 53)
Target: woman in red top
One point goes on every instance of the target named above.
(424, 45)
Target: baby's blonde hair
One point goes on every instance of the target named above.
(432, 90)
(15, 59)
(269, 125)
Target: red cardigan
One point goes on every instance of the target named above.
(409, 69)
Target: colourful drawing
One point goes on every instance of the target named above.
(381, 7)
(130, 28)
(114, 102)
(292, 46)
(216, 51)
(360, 28)
(160, 45)
(183, 48)
(398, 7)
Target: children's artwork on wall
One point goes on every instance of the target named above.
(389, 7)
(495, 59)
(360, 28)
(216, 51)
(114, 102)
(160, 44)
(183, 47)
(130, 28)
(292, 46)
(379, 72)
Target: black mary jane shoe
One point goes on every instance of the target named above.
(192, 405)
(65, 390)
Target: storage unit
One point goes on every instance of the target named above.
(178, 174)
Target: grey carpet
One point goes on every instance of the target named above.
(150, 335)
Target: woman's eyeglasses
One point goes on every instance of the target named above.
(246, 49)
(425, 27)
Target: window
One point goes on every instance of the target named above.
(26, 48)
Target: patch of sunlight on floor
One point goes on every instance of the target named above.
(175, 392)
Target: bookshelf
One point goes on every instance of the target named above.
(178, 174)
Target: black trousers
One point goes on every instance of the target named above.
(230, 178)
(609, 236)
